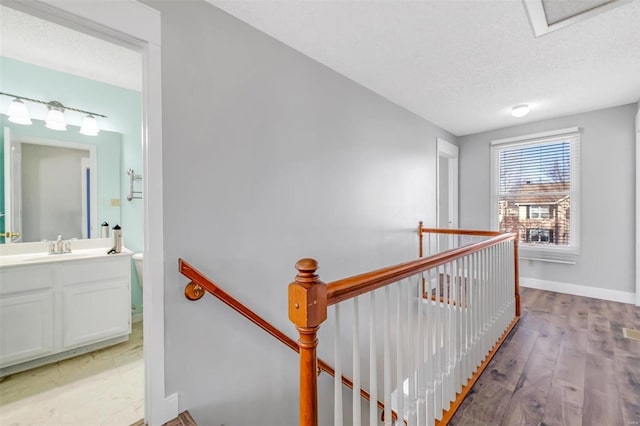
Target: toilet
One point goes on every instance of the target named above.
(137, 259)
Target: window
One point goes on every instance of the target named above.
(538, 212)
(535, 186)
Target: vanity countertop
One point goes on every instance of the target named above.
(23, 259)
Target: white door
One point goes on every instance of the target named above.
(12, 187)
(447, 185)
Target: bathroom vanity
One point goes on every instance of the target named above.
(57, 306)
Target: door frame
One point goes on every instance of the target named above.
(137, 26)
(449, 151)
(638, 205)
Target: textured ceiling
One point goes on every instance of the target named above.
(462, 64)
(29, 39)
(459, 64)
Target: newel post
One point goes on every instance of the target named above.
(307, 310)
(420, 237)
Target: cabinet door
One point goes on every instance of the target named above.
(26, 327)
(95, 311)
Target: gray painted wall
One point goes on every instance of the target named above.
(271, 157)
(608, 196)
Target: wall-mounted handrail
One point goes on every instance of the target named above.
(194, 291)
(199, 280)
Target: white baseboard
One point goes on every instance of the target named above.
(580, 290)
(171, 407)
(136, 318)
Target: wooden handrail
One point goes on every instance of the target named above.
(461, 232)
(422, 230)
(198, 279)
(199, 282)
(347, 288)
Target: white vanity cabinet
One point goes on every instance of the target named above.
(27, 322)
(53, 308)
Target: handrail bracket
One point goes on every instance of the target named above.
(193, 291)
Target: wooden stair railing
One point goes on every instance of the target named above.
(422, 230)
(199, 283)
(309, 298)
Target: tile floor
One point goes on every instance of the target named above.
(101, 388)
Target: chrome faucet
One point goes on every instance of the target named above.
(59, 246)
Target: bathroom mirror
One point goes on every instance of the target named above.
(58, 183)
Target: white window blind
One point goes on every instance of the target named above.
(536, 193)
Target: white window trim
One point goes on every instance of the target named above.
(543, 253)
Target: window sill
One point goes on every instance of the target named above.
(549, 254)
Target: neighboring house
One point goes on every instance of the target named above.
(538, 218)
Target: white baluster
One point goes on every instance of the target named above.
(464, 309)
(423, 303)
(411, 369)
(453, 326)
(387, 360)
(337, 381)
(430, 336)
(473, 304)
(451, 341)
(373, 368)
(439, 342)
(399, 354)
(355, 396)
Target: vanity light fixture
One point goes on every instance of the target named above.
(89, 126)
(18, 112)
(519, 111)
(55, 118)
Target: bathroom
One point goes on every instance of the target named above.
(88, 74)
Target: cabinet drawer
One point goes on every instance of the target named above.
(24, 279)
(101, 269)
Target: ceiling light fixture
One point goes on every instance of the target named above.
(55, 118)
(520, 110)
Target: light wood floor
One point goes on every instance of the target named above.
(566, 363)
(100, 388)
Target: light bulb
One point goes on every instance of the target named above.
(89, 126)
(18, 112)
(55, 118)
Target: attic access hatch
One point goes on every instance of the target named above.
(550, 15)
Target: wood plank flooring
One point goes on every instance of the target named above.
(565, 363)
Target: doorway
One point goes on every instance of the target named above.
(134, 25)
(446, 192)
(447, 185)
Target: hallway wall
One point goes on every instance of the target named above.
(271, 157)
(607, 180)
